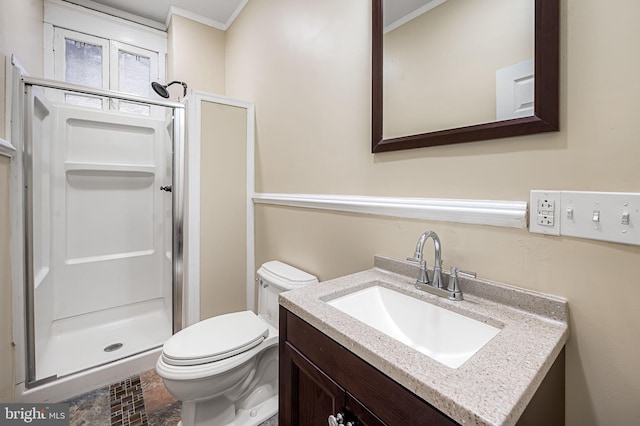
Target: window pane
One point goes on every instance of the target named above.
(83, 63)
(134, 73)
(85, 101)
(134, 108)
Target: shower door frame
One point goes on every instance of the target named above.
(178, 206)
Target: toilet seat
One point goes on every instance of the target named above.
(215, 339)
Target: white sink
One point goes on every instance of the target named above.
(446, 336)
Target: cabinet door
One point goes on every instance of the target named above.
(311, 396)
(360, 413)
(392, 404)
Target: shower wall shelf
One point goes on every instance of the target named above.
(105, 167)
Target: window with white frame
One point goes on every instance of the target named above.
(93, 49)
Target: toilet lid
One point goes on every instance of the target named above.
(215, 338)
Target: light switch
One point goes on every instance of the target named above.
(625, 218)
(604, 216)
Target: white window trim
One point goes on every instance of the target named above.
(77, 18)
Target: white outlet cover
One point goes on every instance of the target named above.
(534, 205)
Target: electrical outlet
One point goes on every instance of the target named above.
(544, 215)
(546, 212)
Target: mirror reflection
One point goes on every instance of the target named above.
(455, 63)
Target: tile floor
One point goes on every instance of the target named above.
(137, 401)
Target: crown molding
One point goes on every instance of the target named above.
(222, 26)
(413, 15)
(174, 10)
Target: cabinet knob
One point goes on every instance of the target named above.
(336, 420)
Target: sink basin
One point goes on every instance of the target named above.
(446, 336)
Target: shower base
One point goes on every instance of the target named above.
(86, 341)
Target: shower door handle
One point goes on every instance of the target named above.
(166, 188)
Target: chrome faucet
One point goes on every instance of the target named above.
(435, 286)
(423, 278)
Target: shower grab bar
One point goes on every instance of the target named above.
(52, 84)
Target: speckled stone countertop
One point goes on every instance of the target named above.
(495, 385)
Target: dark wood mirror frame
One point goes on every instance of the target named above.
(546, 90)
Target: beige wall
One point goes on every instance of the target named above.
(195, 55)
(446, 60)
(223, 209)
(21, 35)
(306, 66)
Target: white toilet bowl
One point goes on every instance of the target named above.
(225, 368)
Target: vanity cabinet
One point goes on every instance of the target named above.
(317, 395)
(319, 378)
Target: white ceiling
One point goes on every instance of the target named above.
(218, 13)
(221, 13)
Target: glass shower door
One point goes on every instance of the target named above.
(100, 240)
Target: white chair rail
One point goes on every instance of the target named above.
(511, 214)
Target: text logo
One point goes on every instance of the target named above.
(34, 414)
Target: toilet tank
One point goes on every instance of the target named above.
(274, 277)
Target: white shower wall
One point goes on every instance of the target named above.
(102, 231)
(108, 231)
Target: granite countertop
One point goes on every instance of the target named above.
(495, 385)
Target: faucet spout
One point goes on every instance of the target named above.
(417, 256)
(437, 268)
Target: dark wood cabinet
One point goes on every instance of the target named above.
(308, 383)
(319, 378)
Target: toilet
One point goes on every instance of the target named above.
(225, 369)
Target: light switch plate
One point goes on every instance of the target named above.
(604, 216)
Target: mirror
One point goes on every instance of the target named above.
(511, 91)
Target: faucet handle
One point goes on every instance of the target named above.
(423, 277)
(454, 288)
(456, 271)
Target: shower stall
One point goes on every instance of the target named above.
(103, 220)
